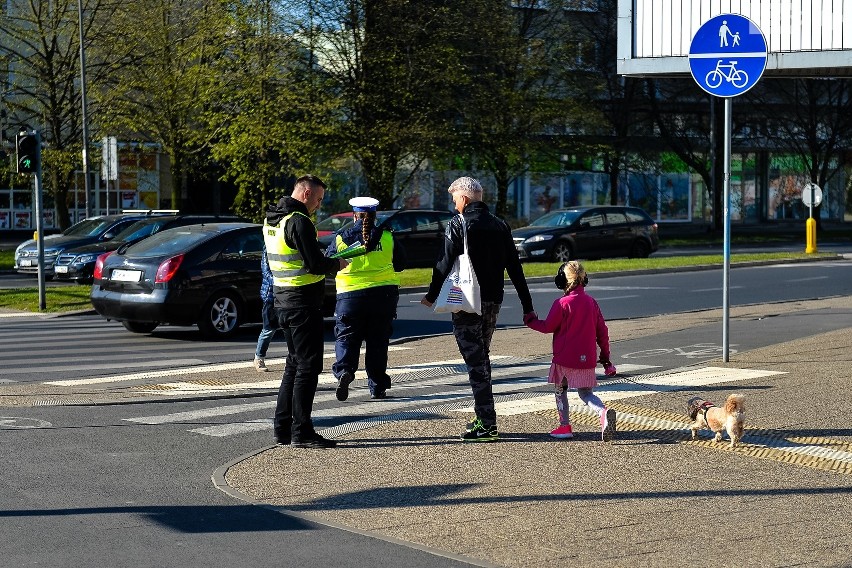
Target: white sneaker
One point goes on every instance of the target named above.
(260, 365)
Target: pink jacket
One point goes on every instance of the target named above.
(577, 324)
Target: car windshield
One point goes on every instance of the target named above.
(170, 242)
(334, 223)
(88, 228)
(556, 219)
(141, 229)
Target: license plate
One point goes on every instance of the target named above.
(25, 262)
(61, 269)
(121, 275)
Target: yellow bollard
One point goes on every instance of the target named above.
(810, 238)
(35, 235)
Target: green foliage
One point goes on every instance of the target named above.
(163, 77)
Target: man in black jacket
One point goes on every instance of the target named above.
(298, 268)
(491, 251)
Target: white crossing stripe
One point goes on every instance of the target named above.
(180, 371)
(386, 406)
(614, 391)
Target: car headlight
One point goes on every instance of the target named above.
(51, 252)
(538, 238)
(85, 259)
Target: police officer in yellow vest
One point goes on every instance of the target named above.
(298, 268)
(367, 295)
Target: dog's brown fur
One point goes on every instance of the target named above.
(730, 418)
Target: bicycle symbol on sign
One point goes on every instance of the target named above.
(737, 77)
(697, 351)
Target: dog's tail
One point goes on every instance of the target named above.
(735, 403)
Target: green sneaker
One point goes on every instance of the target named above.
(479, 432)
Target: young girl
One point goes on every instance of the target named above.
(578, 328)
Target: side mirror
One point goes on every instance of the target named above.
(108, 235)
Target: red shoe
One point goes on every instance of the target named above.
(563, 432)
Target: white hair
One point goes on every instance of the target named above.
(466, 186)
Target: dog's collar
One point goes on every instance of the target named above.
(704, 408)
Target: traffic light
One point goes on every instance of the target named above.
(29, 152)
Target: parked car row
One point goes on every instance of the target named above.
(93, 230)
(205, 270)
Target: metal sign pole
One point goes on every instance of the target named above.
(42, 299)
(727, 56)
(726, 269)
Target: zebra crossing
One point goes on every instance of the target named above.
(519, 387)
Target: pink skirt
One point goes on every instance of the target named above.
(576, 378)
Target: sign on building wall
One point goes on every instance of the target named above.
(654, 35)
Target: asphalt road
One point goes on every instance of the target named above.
(40, 348)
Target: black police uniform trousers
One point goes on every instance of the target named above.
(366, 316)
(473, 335)
(303, 331)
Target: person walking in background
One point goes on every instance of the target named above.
(298, 268)
(578, 329)
(367, 296)
(492, 251)
(270, 319)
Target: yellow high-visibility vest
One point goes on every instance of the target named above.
(370, 270)
(285, 263)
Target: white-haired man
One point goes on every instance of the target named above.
(492, 252)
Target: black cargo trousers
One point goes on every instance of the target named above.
(303, 331)
(473, 335)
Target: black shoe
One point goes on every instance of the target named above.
(343, 385)
(379, 394)
(282, 438)
(479, 432)
(316, 442)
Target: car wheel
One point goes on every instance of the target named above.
(221, 315)
(562, 252)
(140, 326)
(641, 249)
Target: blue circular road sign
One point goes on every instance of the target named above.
(727, 55)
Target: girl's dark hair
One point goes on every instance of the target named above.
(369, 221)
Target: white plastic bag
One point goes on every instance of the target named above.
(460, 291)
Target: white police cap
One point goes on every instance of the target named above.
(364, 203)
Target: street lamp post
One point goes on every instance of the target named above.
(84, 117)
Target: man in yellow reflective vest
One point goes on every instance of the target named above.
(298, 268)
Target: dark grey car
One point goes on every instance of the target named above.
(588, 232)
(78, 263)
(93, 230)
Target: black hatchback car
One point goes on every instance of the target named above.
(205, 275)
(78, 263)
(588, 232)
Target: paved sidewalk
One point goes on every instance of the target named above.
(652, 497)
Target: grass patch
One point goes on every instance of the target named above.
(421, 276)
(57, 299)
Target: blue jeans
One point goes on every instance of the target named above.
(366, 317)
(270, 326)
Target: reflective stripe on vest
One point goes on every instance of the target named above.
(370, 270)
(285, 263)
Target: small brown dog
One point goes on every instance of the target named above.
(730, 418)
